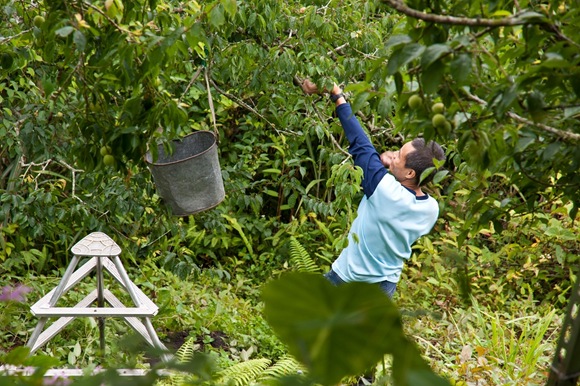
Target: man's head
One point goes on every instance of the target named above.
(412, 160)
(422, 158)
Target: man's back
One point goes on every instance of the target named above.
(380, 238)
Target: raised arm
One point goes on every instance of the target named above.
(362, 150)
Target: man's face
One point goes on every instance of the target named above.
(395, 162)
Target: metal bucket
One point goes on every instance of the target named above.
(189, 180)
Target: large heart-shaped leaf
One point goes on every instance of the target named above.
(333, 331)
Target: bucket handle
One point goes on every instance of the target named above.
(211, 106)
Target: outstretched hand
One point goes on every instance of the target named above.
(309, 87)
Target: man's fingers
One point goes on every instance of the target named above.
(309, 87)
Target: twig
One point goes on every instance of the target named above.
(425, 341)
(6, 40)
(118, 27)
(247, 106)
(337, 49)
(365, 55)
(193, 79)
(282, 44)
(562, 134)
(44, 165)
(68, 78)
(73, 171)
(334, 141)
(322, 10)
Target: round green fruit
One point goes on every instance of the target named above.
(109, 160)
(439, 120)
(438, 108)
(105, 150)
(415, 101)
(445, 130)
(38, 21)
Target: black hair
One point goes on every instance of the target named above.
(422, 157)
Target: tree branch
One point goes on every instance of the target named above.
(6, 40)
(562, 134)
(193, 79)
(328, 133)
(248, 107)
(110, 20)
(467, 21)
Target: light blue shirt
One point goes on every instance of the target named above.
(390, 217)
(381, 236)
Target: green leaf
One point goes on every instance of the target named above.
(398, 40)
(80, 40)
(41, 362)
(524, 142)
(115, 9)
(426, 173)
(230, 6)
(501, 13)
(574, 210)
(403, 56)
(432, 76)
(575, 84)
(385, 107)
(424, 377)
(460, 68)
(333, 331)
(536, 105)
(507, 98)
(48, 86)
(312, 184)
(551, 151)
(532, 17)
(573, 111)
(17, 356)
(434, 53)
(556, 230)
(64, 31)
(399, 83)
(272, 170)
(554, 60)
(360, 100)
(216, 16)
(439, 176)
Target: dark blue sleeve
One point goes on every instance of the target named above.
(362, 150)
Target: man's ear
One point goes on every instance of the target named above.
(410, 174)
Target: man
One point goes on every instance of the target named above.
(394, 211)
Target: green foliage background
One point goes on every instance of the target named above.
(126, 76)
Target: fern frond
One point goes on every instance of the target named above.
(300, 258)
(184, 354)
(285, 366)
(243, 373)
(186, 351)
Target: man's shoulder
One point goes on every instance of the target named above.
(393, 188)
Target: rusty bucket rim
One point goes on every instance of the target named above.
(214, 144)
